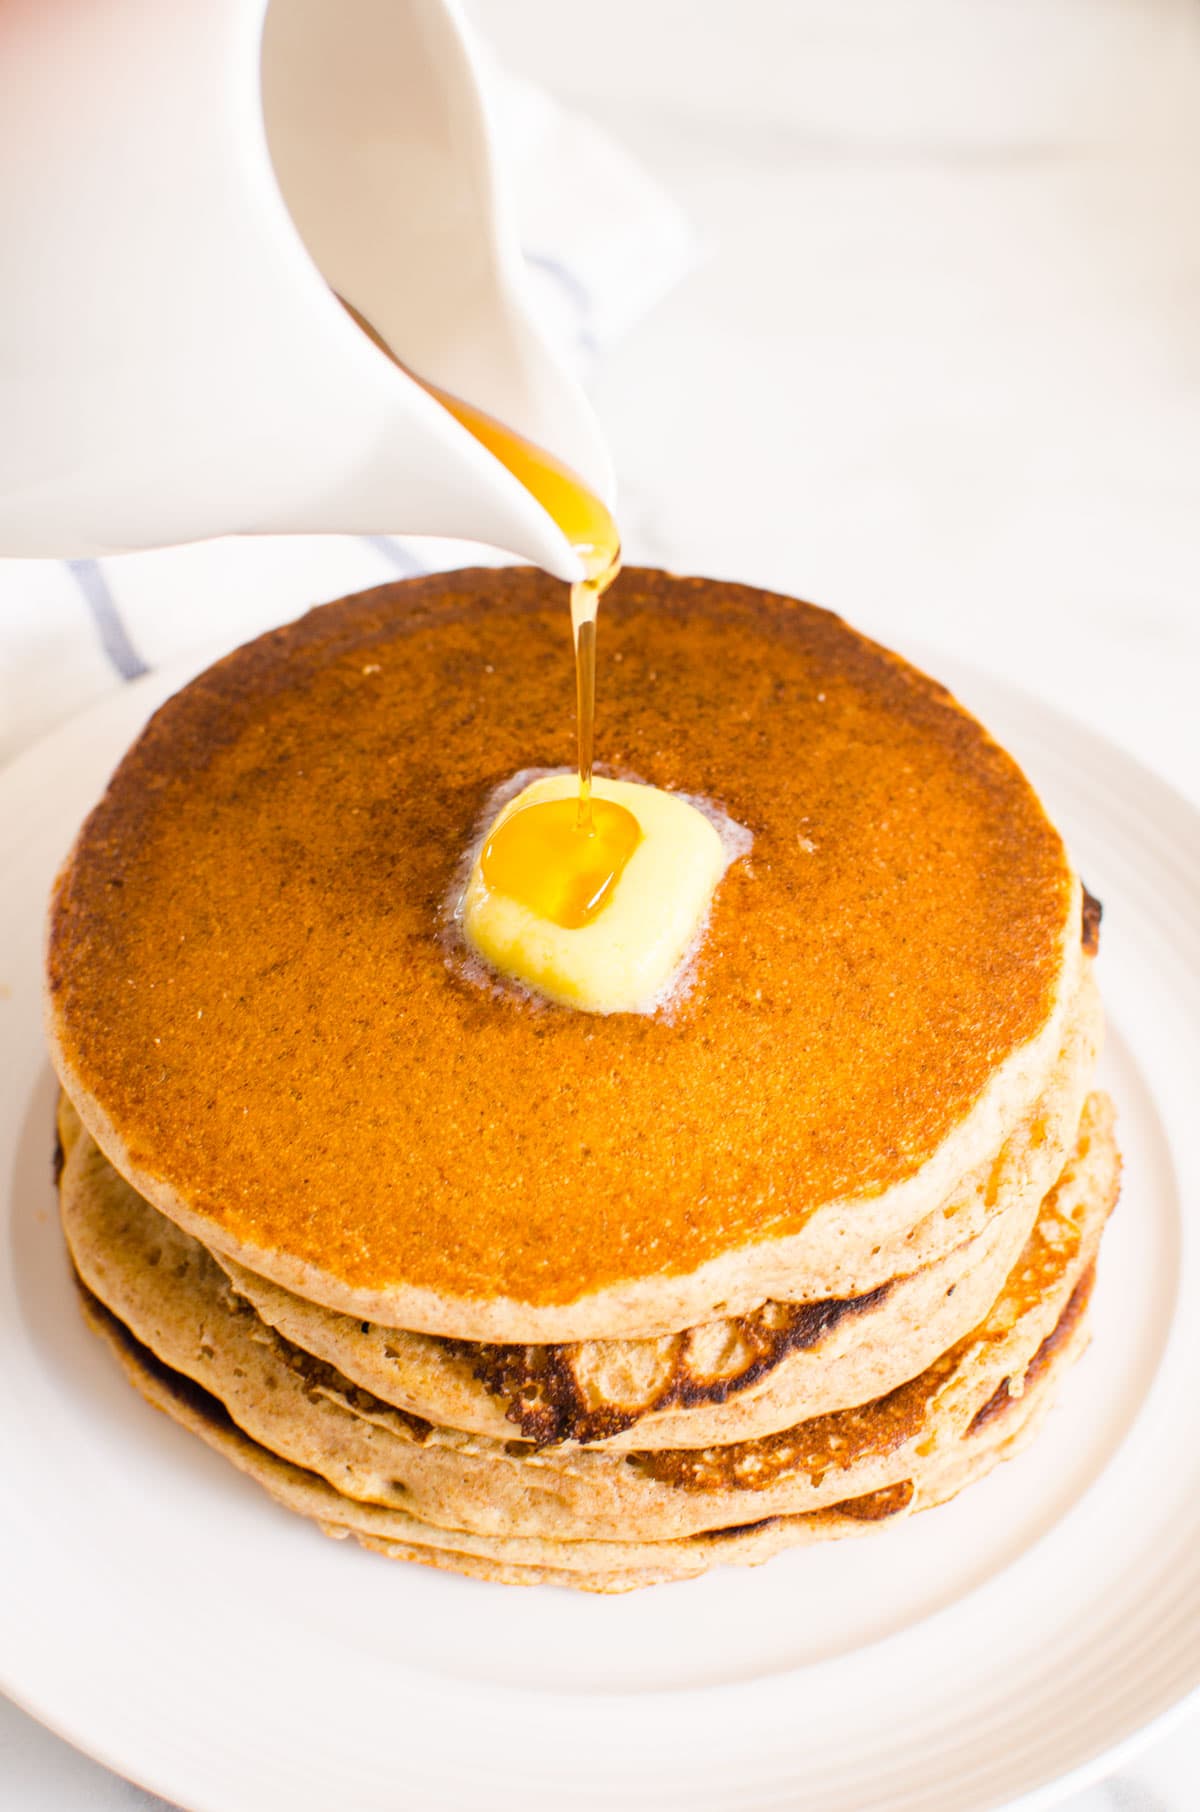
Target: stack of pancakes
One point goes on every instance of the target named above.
(545, 1296)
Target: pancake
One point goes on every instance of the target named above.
(176, 1301)
(250, 1009)
(598, 1566)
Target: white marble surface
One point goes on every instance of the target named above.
(939, 368)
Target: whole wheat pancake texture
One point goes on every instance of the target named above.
(258, 1007)
(597, 1566)
(176, 1303)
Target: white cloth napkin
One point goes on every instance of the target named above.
(602, 241)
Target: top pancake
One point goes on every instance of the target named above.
(256, 1006)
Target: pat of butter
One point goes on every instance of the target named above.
(624, 959)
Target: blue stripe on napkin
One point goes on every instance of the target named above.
(114, 637)
(397, 557)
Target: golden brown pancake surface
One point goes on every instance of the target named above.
(249, 967)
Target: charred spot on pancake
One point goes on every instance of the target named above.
(543, 1396)
(877, 1506)
(734, 1529)
(1000, 1400)
(539, 1390)
(1002, 1397)
(1093, 912)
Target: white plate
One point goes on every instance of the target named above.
(156, 1608)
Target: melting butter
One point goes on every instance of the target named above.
(623, 954)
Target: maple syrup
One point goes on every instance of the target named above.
(540, 857)
(561, 858)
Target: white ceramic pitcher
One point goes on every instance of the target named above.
(184, 184)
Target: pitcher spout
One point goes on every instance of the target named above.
(188, 371)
